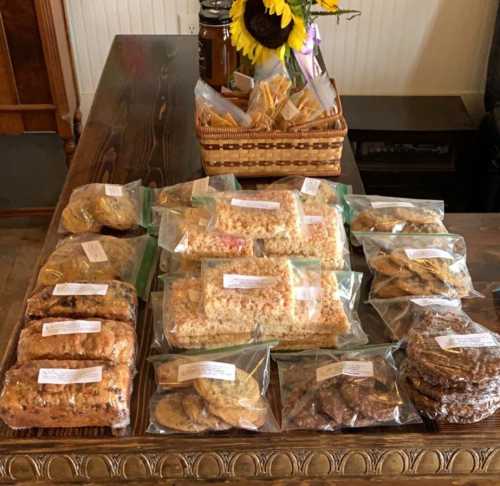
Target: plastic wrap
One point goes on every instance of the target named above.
(66, 394)
(394, 215)
(173, 263)
(399, 313)
(73, 339)
(213, 110)
(187, 233)
(111, 300)
(98, 258)
(332, 390)
(324, 239)
(94, 206)
(419, 265)
(213, 391)
(267, 290)
(256, 214)
(452, 371)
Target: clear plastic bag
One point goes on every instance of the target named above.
(66, 394)
(72, 339)
(213, 391)
(394, 215)
(419, 265)
(213, 110)
(256, 214)
(399, 313)
(172, 263)
(332, 390)
(99, 258)
(266, 290)
(111, 300)
(452, 371)
(324, 239)
(186, 232)
(94, 206)
(337, 324)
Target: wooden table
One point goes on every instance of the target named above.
(141, 126)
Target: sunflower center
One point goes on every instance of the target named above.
(264, 27)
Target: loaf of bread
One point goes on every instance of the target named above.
(119, 303)
(53, 338)
(26, 403)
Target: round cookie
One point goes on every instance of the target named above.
(244, 391)
(196, 410)
(116, 212)
(77, 218)
(252, 417)
(169, 412)
(167, 374)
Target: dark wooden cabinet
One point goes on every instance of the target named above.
(38, 90)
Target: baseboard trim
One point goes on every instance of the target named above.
(25, 212)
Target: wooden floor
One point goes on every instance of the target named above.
(20, 243)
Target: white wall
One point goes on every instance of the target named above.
(396, 47)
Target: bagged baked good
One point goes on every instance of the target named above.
(99, 258)
(111, 300)
(324, 239)
(213, 391)
(337, 324)
(50, 393)
(94, 206)
(268, 290)
(77, 339)
(332, 390)
(313, 189)
(173, 263)
(213, 110)
(399, 313)
(394, 215)
(186, 232)
(452, 371)
(267, 100)
(419, 265)
(256, 214)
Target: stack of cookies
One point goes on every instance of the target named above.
(452, 372)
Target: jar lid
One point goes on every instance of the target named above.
(214, 16)
(216, 4)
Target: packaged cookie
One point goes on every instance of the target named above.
(324, 239)
(58, 393)
(419, 265)
(452, 371)
(78, 339)
(94, 206)
(111, 300)
(99, 258)
(186, 232)
(394, 215)
(332, 390)
(256, 214)
(214, 391)
(174, 263)
(399, 313)
(268, 290)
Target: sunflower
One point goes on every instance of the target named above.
(328, 5)
(260, 28)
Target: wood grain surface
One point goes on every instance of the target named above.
(141, 126)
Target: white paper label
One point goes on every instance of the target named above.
(243, 82)
(310, 186)
(289, 110)
(207, 369)
(248, 203)
(359, 369)
(113, 190)
(80, 289)
(70, 327)
(236, 281)
(94, 251)
(200, 186)
(313, 219)
(428, 301)
(307, 293)
(425, 253)
(480, 340)
(391, 204)
(63, 376)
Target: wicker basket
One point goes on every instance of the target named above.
(314, 149)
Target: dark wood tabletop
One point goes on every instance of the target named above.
(141, 126)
